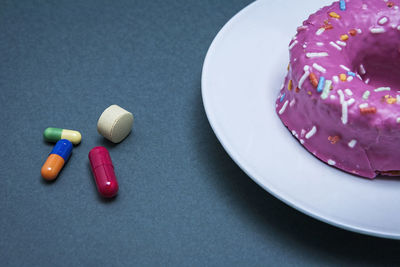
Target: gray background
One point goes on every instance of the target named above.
(182, 200)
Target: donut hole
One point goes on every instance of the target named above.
(382, 68)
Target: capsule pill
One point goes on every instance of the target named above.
(54, 134)
(103, 172)
(56, 159)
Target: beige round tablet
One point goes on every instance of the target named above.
(115, 123)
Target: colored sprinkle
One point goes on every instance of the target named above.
(290, 85)
(320, 31)
(321, 84)
(342, 5)
(348, 92)
(343, 77)
(390, 4)
(319, 68)
(334, 15)
(377, 30)
(344, 37)
(351, 74)
(282, 97)
(369, 110)
(353, 32)
(297, 89)
(284, 107)
(311, 133)
(366, 95)
(331, 162)
(334, 139)
(309, 93)
(328, 27)
(293, 44)
(303, 78)
(381, 89)
(335, 46)
(352, 143)
(383, 21)
(362, 69)
(391, 100)
(317, 54)
(327, 88)
(313, 80)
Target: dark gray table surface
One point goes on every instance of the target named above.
(182, 200)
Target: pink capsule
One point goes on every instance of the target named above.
(103, 172)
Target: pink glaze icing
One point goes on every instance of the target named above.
(345, 126)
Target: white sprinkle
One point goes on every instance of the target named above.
(362, 69)
(317, 54)
(344, 67)
(348, 92)
(398, 120)
(335, 79)
(294, 133)
(396, 7)
(393, 26)
(341, 96)
(311, 133)
(358, 76)
(320, 44)
(320, 31)
(352, 143)
(305, 45)
(302, 141)
(341, 43)
(335, 46)
(306, 68)
(377, 30)
(350, 78)
(383, 21)
(333, 97)
(363, 105)
(327, 88)
(350, 102)
(366, 95)
(398, 99)
(303, 132)
(293, 44)
(319, 68)
(398, 28)
(367, 81)
(303, 78)
(344, 112)
(364, 6)
(284, 107)
(331, 162)
(381, 89)
(359, 31)
(292, 102)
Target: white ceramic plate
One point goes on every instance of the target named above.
(242, 75)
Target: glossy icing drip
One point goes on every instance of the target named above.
(342, 93)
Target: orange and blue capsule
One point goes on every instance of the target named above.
(56, 160)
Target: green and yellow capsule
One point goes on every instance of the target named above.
(54, 134)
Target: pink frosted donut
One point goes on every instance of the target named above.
(341, 96)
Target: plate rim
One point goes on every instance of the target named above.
(236, 158)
